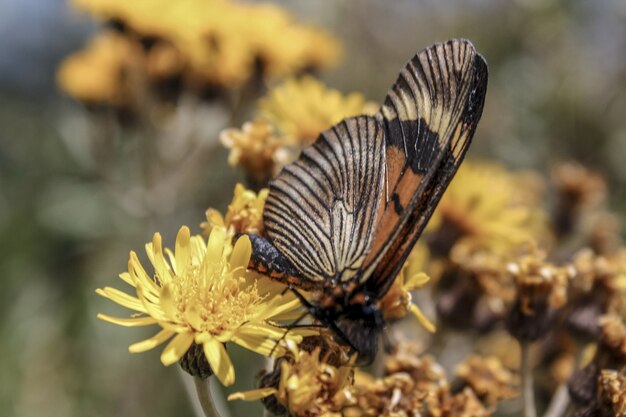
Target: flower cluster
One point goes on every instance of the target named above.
(202, 294)
(290, 116)
(306, 383)
(528, 274)
(244, 214)
(201, 45)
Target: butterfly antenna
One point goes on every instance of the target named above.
(287, 330)
(310, 308)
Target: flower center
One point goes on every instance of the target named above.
(210, 298)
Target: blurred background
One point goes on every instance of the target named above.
(82, 181)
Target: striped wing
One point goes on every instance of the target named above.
(321, 209)
(429, 117)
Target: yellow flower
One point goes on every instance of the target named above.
(397, 303)
(244, 214)
(202, 293)
(308, 386)
(489, 207)
(258, 149)
(99, 73)
(302, 108)
(223, 41)
(283, 47)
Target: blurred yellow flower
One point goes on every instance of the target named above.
(308, 385)
(244, 214)
(202, 293)
(101, 72)
(488, 207)
(223, 41)
(302, 108)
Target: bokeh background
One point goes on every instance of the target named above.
(71, 207)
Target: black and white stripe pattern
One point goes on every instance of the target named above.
(321, 209)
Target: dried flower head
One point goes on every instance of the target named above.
(613, 337)
(488, 378)
(257, 149)
(612, 390)
(578, 189)
(202, 293)
(395, 395)
(540, 282)
(302, 108)
(488, 270)
(411, 380)
(425, 372)
(463, 404)
(308, 385)
(486, 206)
(244, 213)
(597, 288)
(541, 289)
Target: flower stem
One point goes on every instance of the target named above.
(203, 389)
(559, 403)
(527, 382)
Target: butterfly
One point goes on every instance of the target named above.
(341, 220)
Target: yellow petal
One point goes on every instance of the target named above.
(171, 258)
(221, 365)
(257, 343)
(241, 255)
(152, 342)
(158, 260)
(192, 316)
(121, 298)
(215, 218)
(182, 251)
(151, 308)
(125, 276)
(177, 347)
(288, 315)
(416, 281)
(424, 321)
(128, 322)
(168, 303)
(252, 395)
(279, 305)
(215, 246)
(141, 277)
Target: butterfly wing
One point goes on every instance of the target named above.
(429, 117)
(354, 203)
(321, 209)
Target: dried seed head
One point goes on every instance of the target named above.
(488, 378)
(612, 391)
(541, 289)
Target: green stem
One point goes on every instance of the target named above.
(203, 389)
(528, 388)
